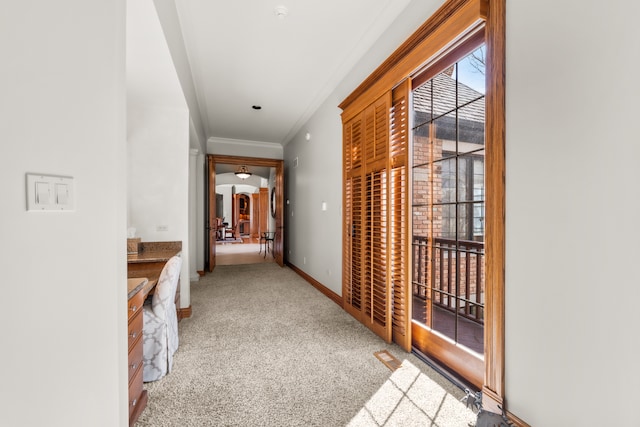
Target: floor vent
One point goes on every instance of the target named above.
(388, 359)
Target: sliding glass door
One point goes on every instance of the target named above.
(448, 210)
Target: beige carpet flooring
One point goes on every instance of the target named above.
(241, 253)
(264, 348)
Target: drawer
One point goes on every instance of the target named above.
(135, 359)
(135, 329)
(135, 392)
(135, 305)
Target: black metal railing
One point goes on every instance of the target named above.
(450, 273)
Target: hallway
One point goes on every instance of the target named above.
(247, 252)
(264, 348)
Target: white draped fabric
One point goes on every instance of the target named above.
(160, 330)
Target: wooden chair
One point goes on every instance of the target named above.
(266, 237)
(231, 232)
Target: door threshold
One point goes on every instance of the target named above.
(451, 376)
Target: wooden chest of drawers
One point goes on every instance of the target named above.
(137, 395)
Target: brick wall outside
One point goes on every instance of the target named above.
(436, 268)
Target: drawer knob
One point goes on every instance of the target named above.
(134, 366)
(133, 334)
(133, 403)
(134, 308)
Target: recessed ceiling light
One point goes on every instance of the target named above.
(256, 107)
(281, 11)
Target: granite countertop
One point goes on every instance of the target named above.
(140, 284)
(152, 256)
(155, 252)
(134, 285)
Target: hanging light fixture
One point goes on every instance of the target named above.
(243, 172)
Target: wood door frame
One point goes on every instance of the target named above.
(278, 164)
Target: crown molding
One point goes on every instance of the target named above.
(248, 143)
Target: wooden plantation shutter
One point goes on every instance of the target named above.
(375, 284)
(352, 233)
(376, 295)
(376, 298)
(366, 282)
(398, 208)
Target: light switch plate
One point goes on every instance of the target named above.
(50, 193)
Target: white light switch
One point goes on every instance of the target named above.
(62, 194)
(42, 193)
(50, 193)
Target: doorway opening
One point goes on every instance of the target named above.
(244, 214)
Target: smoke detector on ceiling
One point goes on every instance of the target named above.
(281, 11)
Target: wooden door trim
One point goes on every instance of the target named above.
(211, 222)
(455, 20)
(493, 390)
(278, 164)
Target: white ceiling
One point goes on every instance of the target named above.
(241, 54)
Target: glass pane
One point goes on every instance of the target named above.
(471, 177)
(444, 221)
(421, 100)
(471, 126)
(420, 133)
(444, 321)
(464, 222)
(421, 222)
(419, 311)
(420, 266)
(470, 333)
(478, 178)
(444, 288)
(444, 93)
(463, 188)
(478, 222)
(444, 181)
(445, 135)
(421, 181)
(471, 296)
(421, 145)
(471, 73)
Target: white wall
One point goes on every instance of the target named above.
(157, 138)
(170, 22)
(159, 180)
(64, 314)
(313, 237)
(572, 204)
(572, 212)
